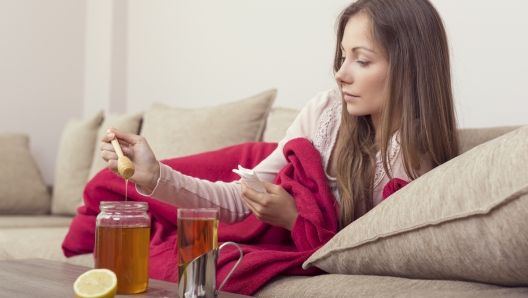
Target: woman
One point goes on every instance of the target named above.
(391, 117)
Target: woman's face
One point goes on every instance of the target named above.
(363, 71)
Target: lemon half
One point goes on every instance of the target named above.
(96, 283)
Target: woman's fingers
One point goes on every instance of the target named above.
(106, 144)
(252, 195)
(277, 207)
(108, 155)
(107, 151)
(126, 137)
(245, 191)
(252, 199)
(112, 165)
(125, 147)
(260, 204)
(272, 188)
(250, 206)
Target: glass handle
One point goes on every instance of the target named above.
(236, 265)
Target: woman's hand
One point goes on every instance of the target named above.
(136, 148)
(277, 207)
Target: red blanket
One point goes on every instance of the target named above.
(268, 251)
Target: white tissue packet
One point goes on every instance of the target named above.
(251, 178)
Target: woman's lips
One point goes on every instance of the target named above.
(350, 97)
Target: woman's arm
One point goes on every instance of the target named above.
(185, 191)
(181, 190)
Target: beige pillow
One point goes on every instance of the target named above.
(472, 137)
(74, 159)
(128, 122)
(173, 132)
(22, 188)
(464, 220)
(279, 121)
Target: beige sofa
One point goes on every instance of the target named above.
(458, 231)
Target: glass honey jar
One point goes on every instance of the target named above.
(122, 242)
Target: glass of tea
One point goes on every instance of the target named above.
(122, 243)
(198, 252)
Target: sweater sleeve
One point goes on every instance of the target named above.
(304, 126)
(184, 191)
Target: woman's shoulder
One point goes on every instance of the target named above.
(325, 98)
(319, 120)
(322, 102)
(317, 109)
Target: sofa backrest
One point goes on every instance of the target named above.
(472, 137)
(281, 118)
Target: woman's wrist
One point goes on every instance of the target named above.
(156, 174)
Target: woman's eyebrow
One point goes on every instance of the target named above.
(356, 48)
(365, 48)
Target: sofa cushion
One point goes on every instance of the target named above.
(472, 137)
(279, 121)
(33, 221)
(174, 132)
(74, 159)
(38, 243)
(126, 122)
(32, 243)
(22, 188)
(464, 220)
(372, 286)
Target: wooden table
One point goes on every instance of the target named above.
(43, 278)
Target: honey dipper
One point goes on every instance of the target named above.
(125, 167)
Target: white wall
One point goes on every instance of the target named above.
(98, 57)
(41, 71)
(198, 53)
(61, 59)
(490, 60)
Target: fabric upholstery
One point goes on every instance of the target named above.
(175, 132)
(32, 243)
(38, 243)
(34, 221)
(472, 137)
(278, 122)
(372, 286)
(74, 159)
(464, 220)
(126, 122)
(22, 188)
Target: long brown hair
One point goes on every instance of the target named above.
(418, 85)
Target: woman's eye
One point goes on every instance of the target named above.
(362, 63)
(342, 59)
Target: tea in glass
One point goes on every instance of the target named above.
(197, 235)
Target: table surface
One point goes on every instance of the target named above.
(43, 278)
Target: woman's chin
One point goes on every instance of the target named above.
(353, 110)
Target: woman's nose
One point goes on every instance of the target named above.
(341, 76)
